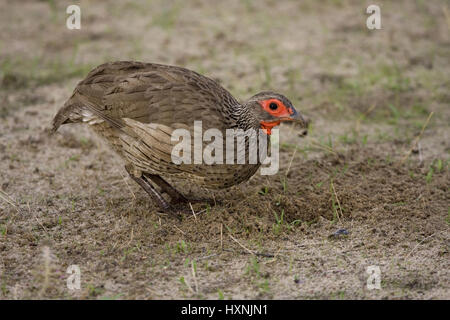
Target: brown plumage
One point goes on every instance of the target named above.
(136, 106)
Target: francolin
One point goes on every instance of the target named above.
(136, 107)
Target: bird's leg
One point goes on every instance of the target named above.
(175, 195)
(156, 196)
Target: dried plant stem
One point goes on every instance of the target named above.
(321, 146)
(290, 162)
(193, 212)
(338, 202)
(416, 139)
(246, 249)
(8, 199)
(221, 237)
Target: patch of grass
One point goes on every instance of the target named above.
(182, 247)
(194, 266)
(339, 295)
(16, 74)
(429, 176)
(167, 18)
(183, 282)
(101, 192)
(113, 297)
(389, 76)
(279, 222)
(264, 286)
(437, 166)
(253, 267)
(395, 115)
(364, 139)
(3, 230)
(263, 191)
(417, 110)
(4, 289)
(94, 291)
(126, 253)
(53, 9)
(260, 280)
(346, 139)
(392, 78)
(318, 185)
(354, 91)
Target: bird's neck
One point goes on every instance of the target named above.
(244, 117)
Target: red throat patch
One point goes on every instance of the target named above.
(267, 126)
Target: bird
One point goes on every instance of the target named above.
(135, 107)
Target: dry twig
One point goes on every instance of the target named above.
(416, 139)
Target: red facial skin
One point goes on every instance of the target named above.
(280, 112)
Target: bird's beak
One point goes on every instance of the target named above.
(295, 116)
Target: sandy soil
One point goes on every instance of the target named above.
(375, 162)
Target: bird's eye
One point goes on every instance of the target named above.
(273, 106)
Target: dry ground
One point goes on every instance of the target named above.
(65, 199)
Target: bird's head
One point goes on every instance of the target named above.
(269, 109)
